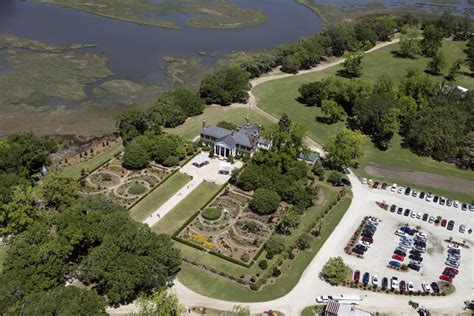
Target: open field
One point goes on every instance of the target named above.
(213, 115)
(171, 14)
(221, 288)
(180, 214)
(279, 96)
(91, 164)
(159, 196)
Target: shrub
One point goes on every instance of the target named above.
(254, 286)
(245, 257)
(276, 272)
(106, 177)
(263, 264)
(211, 213)
(264, 201)
(171, 161)
(269, 256)
(304, 242)
(335, 270)
(274, 245)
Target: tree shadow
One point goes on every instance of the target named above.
(397, 54)
(324, 120)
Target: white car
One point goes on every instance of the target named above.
(411, 288)
(323, 299)
(413, 214)
(426, 287)
(365, 243)
(394, 283)
(394, 187)
(369, 182)
(431, 220)
(419, 215)
(400, 190)
(414, 193)
(375, 280)
(422, 235)
(364, 180)
(375, 220)
(400, 233)
(453, 246)
(429, 197)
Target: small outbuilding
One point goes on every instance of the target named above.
(200, 161)
(224, 168)
(309, 157)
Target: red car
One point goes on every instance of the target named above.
(376, 185)
(356, 276)
(444, 222)
(452, 270)
(367, 239)
(446, 278)
(398, 257)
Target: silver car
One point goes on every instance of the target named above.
(462, 228)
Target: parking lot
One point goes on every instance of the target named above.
(380, 253)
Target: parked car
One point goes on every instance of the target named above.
(394, 283)
(449, 274)
(413, 214)
(446, 278)
(364, 180)
(431, 220)
(464, 207)
(395, 264)
(402, 286)
(400, 190)
(402, 248)
(435, 287)
(422, 195)
(414, 267)
(400, 232)
(394, 187)
(356, 276)
(399, 210)
(453, 264)
(398, 258)
(444, 222)
(407, 191)
(407, 230)
(471, 207)
(375, 281)
(453, 270)
(435, 199)
(384, 283)
(422, 235)
(376, 185)
(442, 200)
(369, 182)
(323, 299)
(414, 193)
(425, 287)
(462, 228)
(407, 212)
(367, 239)
(365, 243)
(416, 258)
(449, 202)
(384, 186)
(429, 197)
(393, 208)
(450, 225)
(456, 203)
(410, 286)
(453, 246)
(416, 263)
(418, 215)
(425, 217)
(365, 278)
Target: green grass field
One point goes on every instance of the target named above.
(222, 288)
(181, 213)
(93, 163)
(279, 96)
(213, 115)
(310, 310)
(159, 196)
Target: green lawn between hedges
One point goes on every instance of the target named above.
(93, 163)
(221, 288)
(279, 96)
(187, 207)
(159, 196)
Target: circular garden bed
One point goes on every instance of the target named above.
(211, 213)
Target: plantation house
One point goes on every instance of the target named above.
(244, 140)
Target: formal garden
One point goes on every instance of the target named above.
(121, 185)
(228, 227)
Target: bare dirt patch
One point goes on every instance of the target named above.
(421, 178)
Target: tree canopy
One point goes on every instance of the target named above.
(264, 201)
(344, 148)
(335, 270)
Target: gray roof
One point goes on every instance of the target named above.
(242, 136)
(214, 131)
(312, 156)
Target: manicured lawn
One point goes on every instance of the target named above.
(222, 288)
(3, 255)
(93, 163)
(213, 115)
(310, 310)
(279, 96)
(187, 207)
(159, 196)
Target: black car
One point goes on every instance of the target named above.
(435, 199)
(365, 278)
(421, 244)
(400, 253)
(442, 200)
(407, 191)
(358, 251)
(425, 217)
(414, 267)
(415, 252)
(400, 210)
(464, 207)
(407, 212)
(435, 287)
(393, 208)
(345, 181)
(450, 225)
(416, 258)
(454, 250)
(368, 233)
(384, 283)
(422, 195)
(384, 186)
(361, 247)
